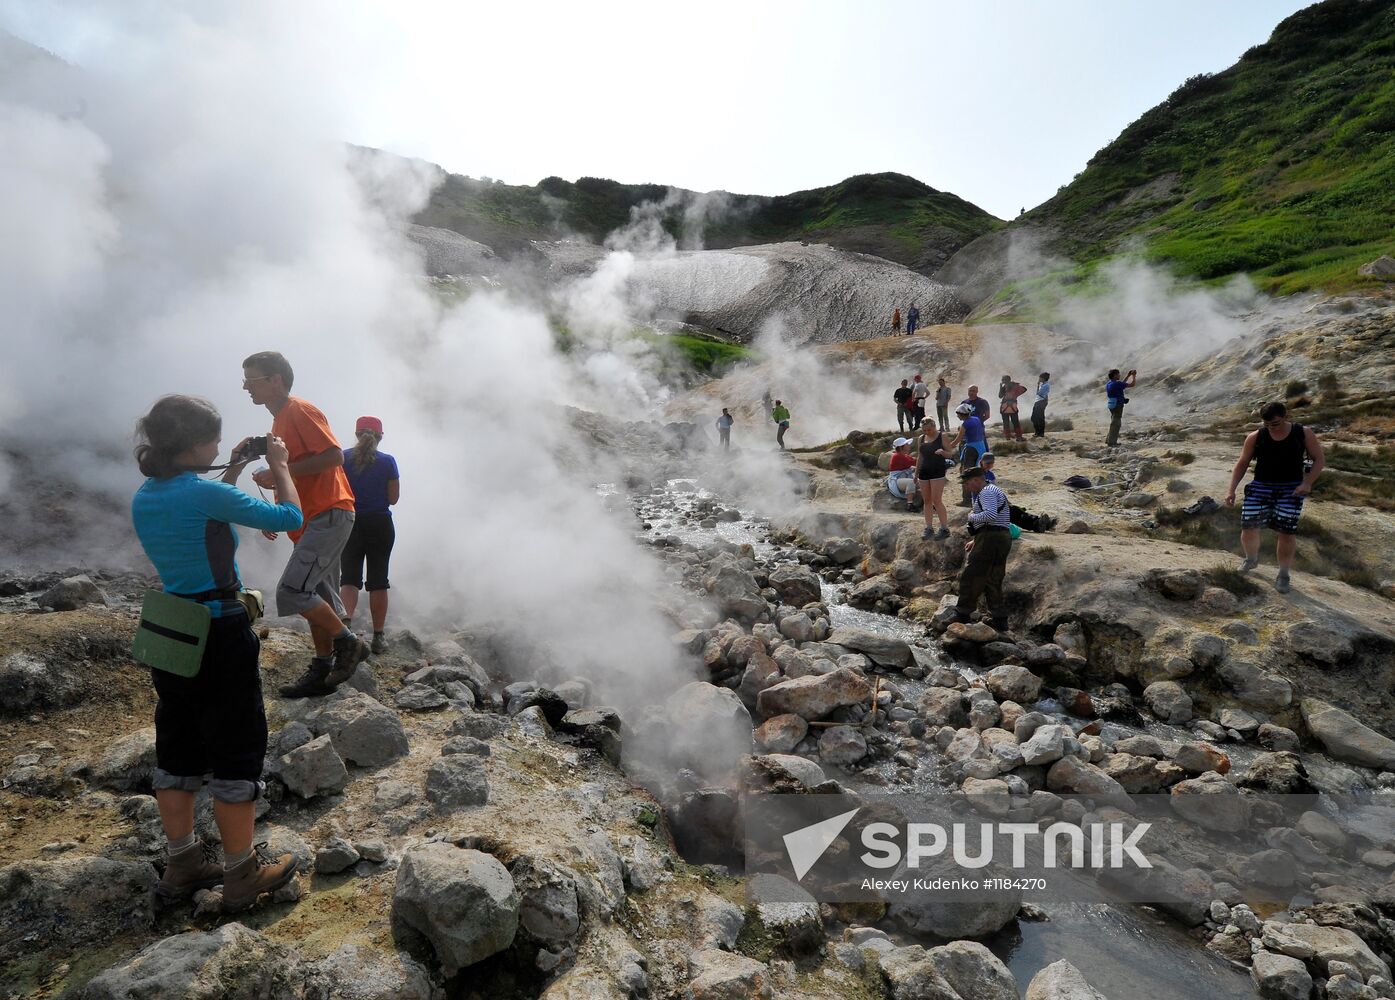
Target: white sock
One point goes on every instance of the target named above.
(231, 861)
(182, 844)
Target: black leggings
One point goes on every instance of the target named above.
(370, 541)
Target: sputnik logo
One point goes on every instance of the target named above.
(806, 845)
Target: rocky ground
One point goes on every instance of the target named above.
(468, 829)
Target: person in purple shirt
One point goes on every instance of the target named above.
(374, 479)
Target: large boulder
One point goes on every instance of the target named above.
(463, 902)
(910, 975)
(361, 972)
(1279, 977)
(312, 769)
(785, 915)
(1168, 701)
(71, 901)
(28, 682)
(1013, 683)
(1212, 802)
(364, 731)
(814, 696)
(1337, 944)
(721, 975)
(973, 971)
(796, 585)
(231, 962)
(781, 733)
(883, 650)
(736, 593)
(1255, 687)
(71, 594)
(709, 729)
(1073, 776)
(1317, 642)
(1345, 738)
(126, 765)
(1061, 981)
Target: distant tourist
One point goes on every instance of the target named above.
(724, 423)
(1289, 460)
(765, 402)
(374, 479)
(912, 320)
(309, 585)
(210, 728)
(781, 415)
(920, 392)
(905, 418)
(901, 481)
(980, 406)
(896, 320)
(1039, 407)
(1008, 393)
(990, 524)
(942, 395)
(930, 477)
(1115, 399)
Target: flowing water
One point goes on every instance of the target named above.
(1127, 952)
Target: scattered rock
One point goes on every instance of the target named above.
(71, 901)
(1181, 584)
(796, 585)
(364, 731)
(419, 698)
(1317, 642)
(361, 972)
(1278, 977)
(313, 769)
(721, 975)
(813, 697)
(27, 682)
(1381, 267)
(1012, 683)
(1168, 701)
(842, 745)
(781, 733)
(883, 650)
(1061, 981)
(457, 782)
(128, 763)
(973, 972)
(1345, 738)
(786, 914)
(1212, 802)
(336, 855)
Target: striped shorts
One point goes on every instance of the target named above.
(1271, 505)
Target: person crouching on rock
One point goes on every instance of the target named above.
(986, 552)
(212, 723)
(901, 482)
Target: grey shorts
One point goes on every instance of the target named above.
(312, 574)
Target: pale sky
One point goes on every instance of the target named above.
(998, 101)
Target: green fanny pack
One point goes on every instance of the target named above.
(172, 633)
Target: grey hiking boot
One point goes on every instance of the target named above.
(379, 643)
(1281, 583)
(942, 533)
(1247, 565)
(927, 534)
(309, 684)
(349, 652)
(198, 866)
(260, 873)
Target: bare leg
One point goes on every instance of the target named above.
(176, 812)
(927, 500)
(235, 823)
(1249, 542)
(324, 626)
(1285, 549)
(378, 605)
(937, 495)
(349, 596)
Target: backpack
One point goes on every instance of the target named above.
(1015, 390)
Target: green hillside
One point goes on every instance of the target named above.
(1283, 165)
(890, 215)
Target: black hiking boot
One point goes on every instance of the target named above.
(311, 683)
(349, 652)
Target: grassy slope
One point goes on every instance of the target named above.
(1284, 164)
(890, 215)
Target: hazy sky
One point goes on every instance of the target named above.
(999, 101)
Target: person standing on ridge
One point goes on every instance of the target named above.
(781, 415)
(1274, 497)
(1039, 407)
(912, 320)
(374, 479)
(896, 320)
(309, 586)
(1115, 399)
(904, 416)
(990, 524)
(930, 477)
(724, 423)
(920, 392)
(942, 395)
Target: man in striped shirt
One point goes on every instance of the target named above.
(987, 552)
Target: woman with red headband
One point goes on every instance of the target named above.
(373, 476)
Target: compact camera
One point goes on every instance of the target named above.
(256, 447)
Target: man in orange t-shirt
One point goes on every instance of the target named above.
(309, 585)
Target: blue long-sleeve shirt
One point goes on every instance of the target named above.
(184, 523)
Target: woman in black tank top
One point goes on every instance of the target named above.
(930, 476)
(1280, 461)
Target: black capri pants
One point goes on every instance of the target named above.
(214, 723)
(370, 542)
